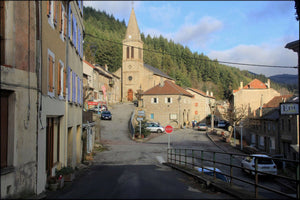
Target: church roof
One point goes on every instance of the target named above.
(157, 71)
(133, 29)
(167, 88)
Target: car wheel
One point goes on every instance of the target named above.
(159, 131)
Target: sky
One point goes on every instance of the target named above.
(252, 32)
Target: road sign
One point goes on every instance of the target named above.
(141, 113)
(139, 119)
(169, 129)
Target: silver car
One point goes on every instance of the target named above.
(264, 164)
(155, 127)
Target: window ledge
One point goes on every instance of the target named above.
(7, 170)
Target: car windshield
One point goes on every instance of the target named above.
(202, 124)
(105, 112)
(264, 161)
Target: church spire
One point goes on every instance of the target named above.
(133, 31)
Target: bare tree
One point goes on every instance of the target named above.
(235, 115)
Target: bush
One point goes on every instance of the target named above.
(65, 171)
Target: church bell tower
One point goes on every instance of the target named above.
(132, 61)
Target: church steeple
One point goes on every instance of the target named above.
(133, 31)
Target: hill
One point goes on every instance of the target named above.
(103, 45)
(285, 78)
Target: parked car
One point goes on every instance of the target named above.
(210, 171)
(106, 115)
(221, 124)
(101, 108)
(264, 164)
(201, 126)
(154, 127)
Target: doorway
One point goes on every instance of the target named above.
(130, 95)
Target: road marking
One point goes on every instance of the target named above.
(160, 159)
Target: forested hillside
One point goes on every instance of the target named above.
(103, 45)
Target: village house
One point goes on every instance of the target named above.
(200, 107)
(41, 56)
(252, 96)
(168, 104)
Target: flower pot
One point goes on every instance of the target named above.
(53, 186)
(69, 177)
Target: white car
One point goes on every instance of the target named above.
(154, 127)
(264, 164)
(201, 127)
(210, 171)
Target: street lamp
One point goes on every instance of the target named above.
(212, 110)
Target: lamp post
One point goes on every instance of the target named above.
(212, 110)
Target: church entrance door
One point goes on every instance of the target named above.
(130, 95)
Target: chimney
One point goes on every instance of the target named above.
(106, 67)
(207, 93)
(241, 84)
(211, 94)
(268, 83)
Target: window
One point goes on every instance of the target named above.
(51, 13)
(154, 100)
(168, 100)
(73, 87)
(269, 126)
(261, 140)
(152, 116)
(127, 52)
(51, 70)
(173, 116)
(61, 80)
(132, 52)
(282, 124)
(78, 90)
(74, 28)
(62, 22)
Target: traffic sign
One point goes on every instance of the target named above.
(139, 119)
(169, 129)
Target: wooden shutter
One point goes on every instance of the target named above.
(48, 8)
(60, 17)
(50, 81)
(65, 82)
(59, 79)
(54, 12)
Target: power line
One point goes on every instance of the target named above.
(218, 61)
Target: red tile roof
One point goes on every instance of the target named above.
(200, 92)
(168, 88)
(255, 84)
(274, 103)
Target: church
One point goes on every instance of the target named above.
(136, 76)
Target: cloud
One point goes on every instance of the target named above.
(197, 35)
(264, 54)
(119, 9)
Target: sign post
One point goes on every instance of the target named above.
(140, 119)
(169, 130)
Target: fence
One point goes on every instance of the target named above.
(190, 158)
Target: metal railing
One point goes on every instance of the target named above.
(130, 125)
(191, 158)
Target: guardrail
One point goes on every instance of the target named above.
(130, 126)
(190, 158)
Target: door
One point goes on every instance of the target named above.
(130, 95)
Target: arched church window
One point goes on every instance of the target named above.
(130, 78)
(127, 52)
(132, 52)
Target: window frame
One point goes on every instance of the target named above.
(61, 80)
(50, 14)
(49, 92)
(154, 100)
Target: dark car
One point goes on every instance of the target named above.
(106, 115)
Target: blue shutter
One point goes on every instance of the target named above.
(73, 87)
(81, 94)
(73, 26)
(69, 83)
(78, 40)
(78, 92)
(70, 20)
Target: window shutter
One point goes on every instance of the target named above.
(54, 12)
(73, 86)
(78, 47)
(65, 82)
(81, 92)
(166, 99)
(65, 24)
(50, 74)
(69, 83)
(78, 89)
(58, 79)
(70, 20)
(60, 17)
(48, 8)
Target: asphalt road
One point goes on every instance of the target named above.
(133, 170)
